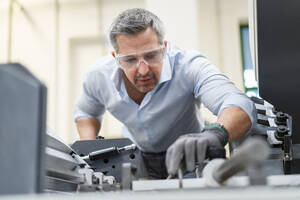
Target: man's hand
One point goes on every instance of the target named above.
(191, 148)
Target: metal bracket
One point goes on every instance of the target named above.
(128, 175)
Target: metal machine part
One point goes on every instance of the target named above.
(66, 171)
(111, 150)
(108, 155)
(284, 158)
(276, 127)
(250, 154)
(128, 175)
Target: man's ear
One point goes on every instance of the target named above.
(113, 54)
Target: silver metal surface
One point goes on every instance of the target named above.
(284, 180)
(201, 183)
(271, 137)
(128, 147)
(249, 193)
(61, 165)
(148, 185)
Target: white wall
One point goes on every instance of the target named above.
(210, 26)
(232, 14)
(180, 19)
(32, 43)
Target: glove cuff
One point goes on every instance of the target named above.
(220, 128)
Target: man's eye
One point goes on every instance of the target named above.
(130, 60)
(151, 55)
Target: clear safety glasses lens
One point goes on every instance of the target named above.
(150, 57)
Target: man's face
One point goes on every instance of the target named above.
(141, 58)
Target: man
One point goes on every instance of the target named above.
(156, 89)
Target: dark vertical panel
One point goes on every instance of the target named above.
(22, 130)
(278, 29)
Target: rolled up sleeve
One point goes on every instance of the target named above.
(89, 103)
(217, 92)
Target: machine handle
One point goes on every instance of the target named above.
(95, 155)
(251, 153)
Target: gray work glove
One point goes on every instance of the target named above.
(192, 148)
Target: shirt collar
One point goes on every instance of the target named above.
(116, 75)
(166, 72)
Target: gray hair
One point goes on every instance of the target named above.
(134, 21)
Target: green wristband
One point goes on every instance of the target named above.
(221, 128)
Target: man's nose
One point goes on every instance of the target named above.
(143, 68)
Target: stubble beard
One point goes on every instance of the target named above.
(144, 88)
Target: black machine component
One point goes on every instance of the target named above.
(278, 42)
(106, 157)
(277, 55)
(276, 127)
(22, 130)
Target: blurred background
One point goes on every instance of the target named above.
(58, 39)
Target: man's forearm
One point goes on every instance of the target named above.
(88, 128)
(236, 121)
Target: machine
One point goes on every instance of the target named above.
(34, 160)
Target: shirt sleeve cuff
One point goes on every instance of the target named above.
(79, 114)
(242, 101)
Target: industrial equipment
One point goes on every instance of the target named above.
(34, 160)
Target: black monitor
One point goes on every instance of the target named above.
(22, 130)
(278, 56)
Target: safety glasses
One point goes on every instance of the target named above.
(150, 57)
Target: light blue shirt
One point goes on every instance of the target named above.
(171, 109)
